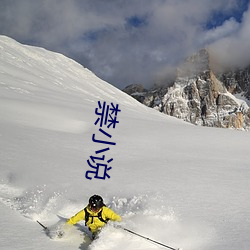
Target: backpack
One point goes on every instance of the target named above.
(88, 216)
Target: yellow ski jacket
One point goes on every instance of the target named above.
(94, 223)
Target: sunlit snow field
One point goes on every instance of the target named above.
(182, 185)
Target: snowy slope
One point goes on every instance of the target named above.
(179, 184)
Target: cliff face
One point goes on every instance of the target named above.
(237, 81)
(201, 97)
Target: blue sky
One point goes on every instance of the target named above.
(218, 17)
(131, 41)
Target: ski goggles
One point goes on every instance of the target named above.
(94, 208)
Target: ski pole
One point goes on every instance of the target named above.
(146, 238)
(45, 228)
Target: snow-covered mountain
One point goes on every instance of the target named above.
(237, 81)
(201, 96)
(183, 185)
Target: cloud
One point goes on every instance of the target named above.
(121, 41)
(228, 28)
(233, 49)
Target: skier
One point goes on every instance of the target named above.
(95, 214)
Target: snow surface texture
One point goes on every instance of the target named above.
(179, 184)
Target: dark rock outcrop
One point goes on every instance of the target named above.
(199, 96)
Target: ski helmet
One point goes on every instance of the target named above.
(95, 202)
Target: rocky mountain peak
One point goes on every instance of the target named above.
(196, 64)
(200, 96)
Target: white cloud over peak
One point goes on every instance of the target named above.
(130, 41)
(233, 49)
